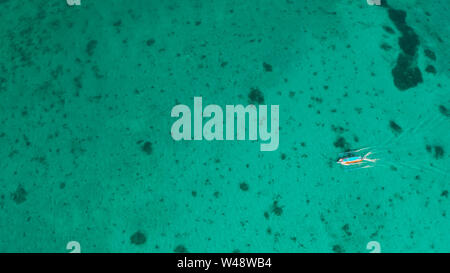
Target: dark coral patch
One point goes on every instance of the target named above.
(267, 67)
(147, 147)
(90, 47)
(346, 229)
(180, 249)
(444, 110)
(395, 127)
(341, 143)
(430, 54)
(388, 29)
(405, 73)
(256, 96)
(150, 42)
(398, 17)
(409, 41)
(386, 47)
(430, 69)
(276, 209)
(244, 186)
(338, 249)
(20, 195)
(138, 238)
(437, 151)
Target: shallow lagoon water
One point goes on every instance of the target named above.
(86, 93)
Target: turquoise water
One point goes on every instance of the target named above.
(86, 153)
